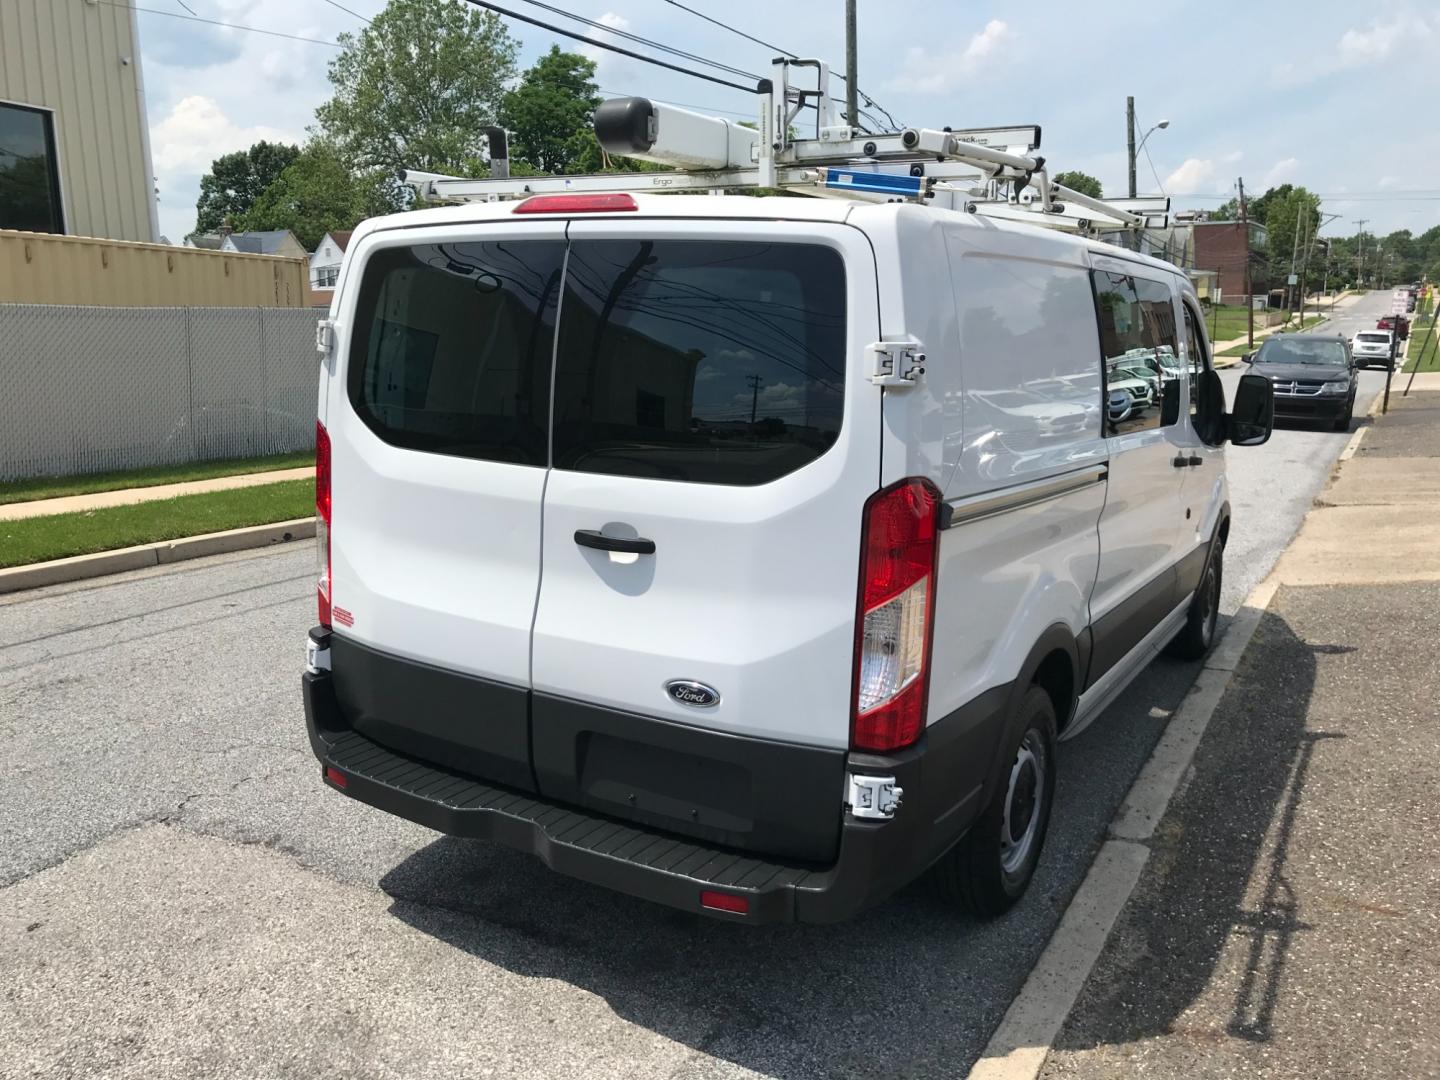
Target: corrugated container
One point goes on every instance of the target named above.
(38, 268)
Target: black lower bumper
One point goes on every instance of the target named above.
(874, 857)
(1310, 408)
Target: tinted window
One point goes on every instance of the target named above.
(1138, 339)
(703, 361)
(1288, 350)
(29, 174)
(453, 349)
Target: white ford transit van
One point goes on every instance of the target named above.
(749, 555)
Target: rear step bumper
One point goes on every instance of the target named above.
(875, 857)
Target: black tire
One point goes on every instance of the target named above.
(1342, 423)
(1198, 634)
(985, 873)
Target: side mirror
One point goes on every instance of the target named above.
(1248, 358)
(1253, 417)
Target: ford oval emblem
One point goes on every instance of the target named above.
(695, 694)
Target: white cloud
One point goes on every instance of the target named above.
(604, 58)
(940, 72)
(197, 131)
(1195, 176)
(1282, 171)
(1360, 48)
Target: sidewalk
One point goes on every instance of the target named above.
(1287, 923)
(127, 496)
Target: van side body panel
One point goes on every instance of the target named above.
(1001, 311)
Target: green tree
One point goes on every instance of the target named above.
(1291, 218)
(1081, 182)
(417, 88)
(318, 194)
(236, 180)
(1226, 211)
(551, 110)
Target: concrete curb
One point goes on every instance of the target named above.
(1019, 1046)
(79, 567)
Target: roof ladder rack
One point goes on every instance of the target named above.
(994, 172)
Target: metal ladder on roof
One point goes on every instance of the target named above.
(994, 172)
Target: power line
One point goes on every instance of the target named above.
(497, 9)
(598, 25)
(869, 102)
(217, 22)
(342, 7)
(186, 6)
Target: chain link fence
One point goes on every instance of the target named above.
(95, 389)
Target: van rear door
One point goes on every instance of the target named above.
(714, 441)
(438, 422)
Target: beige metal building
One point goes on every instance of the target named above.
(74, 139)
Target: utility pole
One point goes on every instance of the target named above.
(1295, 255)
(754, 383)
(1130, 139)
(1360, 254)
(1245, 239)
(852, 65)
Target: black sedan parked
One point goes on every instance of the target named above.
(1313, 375)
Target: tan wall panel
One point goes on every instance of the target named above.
(68, 56)
(36, 268)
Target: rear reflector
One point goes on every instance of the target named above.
(335, 776)
(719, 901)
(576, 204)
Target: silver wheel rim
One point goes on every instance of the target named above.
(1024, 801)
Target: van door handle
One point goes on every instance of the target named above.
(1196, 460)
(1180, 461)
(593, 538)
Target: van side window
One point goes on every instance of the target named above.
(1141, 348)
(454, 357)
(705, 361)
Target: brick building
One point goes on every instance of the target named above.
(1223, 246)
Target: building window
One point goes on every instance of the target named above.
(29, 172)
(326, 277)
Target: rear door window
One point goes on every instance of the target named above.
(701, 361)
(453, 347)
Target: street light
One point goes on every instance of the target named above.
(1130, 146)
(1161, 126)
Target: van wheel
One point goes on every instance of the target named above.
(990, 869)
(1198, 634)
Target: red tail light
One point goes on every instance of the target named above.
(897, 603)
(322, 520)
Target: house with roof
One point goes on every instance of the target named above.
(281, 242)
(325, 263)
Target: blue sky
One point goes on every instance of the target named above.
(1340, 97)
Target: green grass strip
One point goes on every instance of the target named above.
(1424, 349)
(54, 487)
(57, 536)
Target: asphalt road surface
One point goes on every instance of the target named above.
(209, 909)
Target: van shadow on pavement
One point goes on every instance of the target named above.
(1218, 866)
(908, 988)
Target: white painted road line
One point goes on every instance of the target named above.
(1019, 1046)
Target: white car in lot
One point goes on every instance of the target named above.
(750, 555)
(1373, 347)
